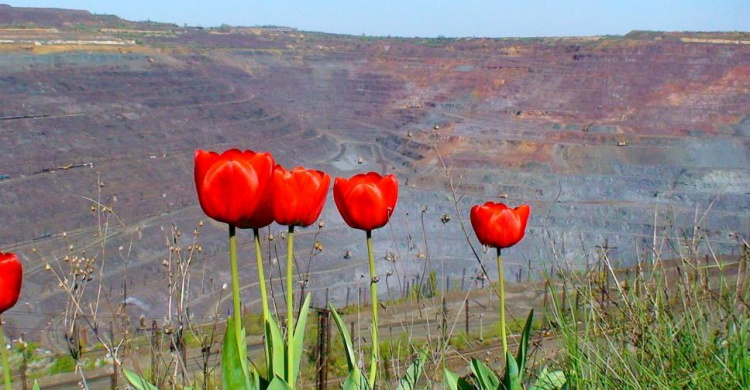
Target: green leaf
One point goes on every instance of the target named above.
(234, 359)
(275, 344)
(134, 379)
(36, 386)
(299, 335)
(409, 381)
(512, 379)
(351, 358)
(550, 380)
(451, 378)
(456, 382)
(485, 376)
(278, 384)
(256, 382)
(523, 347)
(354, 379)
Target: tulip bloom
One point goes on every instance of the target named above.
(233, 187)
(11, 275)
(298, 195)
(298, 199)
(367, 200)
(498, 226)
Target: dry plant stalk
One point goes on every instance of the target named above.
(80, 275)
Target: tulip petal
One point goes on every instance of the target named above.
(389, 187)
(233, 185)
(300, 195)
(366, 201)
(367, 208)
(498, 226)
(11, 279)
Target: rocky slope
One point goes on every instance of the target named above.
(626, 142)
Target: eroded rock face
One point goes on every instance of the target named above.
(628, 143)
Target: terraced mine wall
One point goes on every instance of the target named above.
(635, 146)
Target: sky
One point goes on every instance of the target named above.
(423, 18)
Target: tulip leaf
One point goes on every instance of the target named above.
(351, 358)
(134, 379)
(523, 346)
(354, 381)
(456, 382)
(550, 380)
(512, 379)
(299, 335)
(36, 386)
(355, 376)
(278, 384)
(275, 344)
(451, 378)
(485, 376)
(409, 381)
(234, 359)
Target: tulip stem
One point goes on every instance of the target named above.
(501, 287)
(290, 307)
(6, 364)
(261, 276)
(374, 305)
(263, 295)
(235, 282)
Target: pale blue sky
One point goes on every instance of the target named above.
(423, 18)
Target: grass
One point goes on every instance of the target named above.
(680, 324)
(62, 364)
(664, 330)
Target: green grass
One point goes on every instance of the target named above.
(667, 331)
(62, 364)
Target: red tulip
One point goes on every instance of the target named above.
(233, 187)
(367, 200)
(498, 226)
(298, 195)
(11, 277)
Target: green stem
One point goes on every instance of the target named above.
(374, 305)
(6, 363)
(261, 276)
(263, 296)
(290, 308)
(235, 280)
(501, 287)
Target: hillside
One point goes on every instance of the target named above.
(621, 142)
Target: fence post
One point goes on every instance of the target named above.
(24, 362)
(323, 348)
(481, 335)
(444, 321)
(463, 280)
(115, 366)
(154, 352)
(528, 271)
(466, 315)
